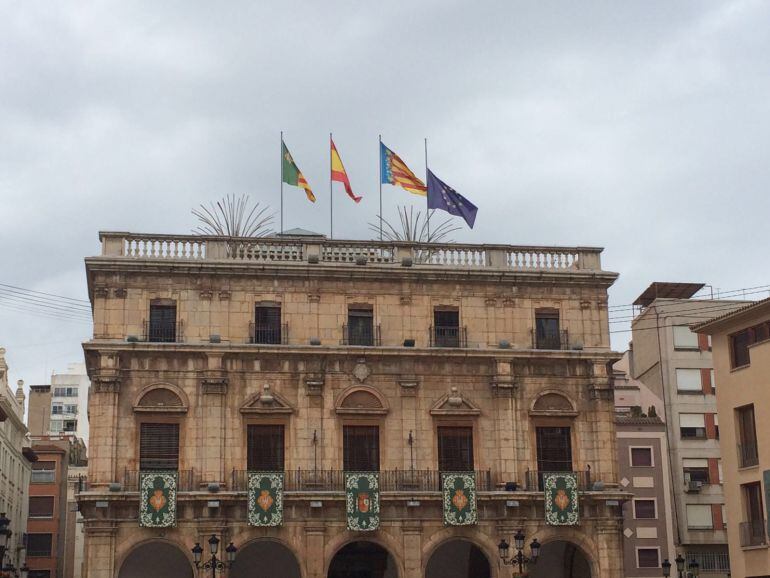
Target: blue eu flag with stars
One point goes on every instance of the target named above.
(442, 196)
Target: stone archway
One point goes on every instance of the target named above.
(265, 559)
(363, 559)
(560, 559)
(156, 559)
(458, 558)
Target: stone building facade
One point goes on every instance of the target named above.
(400, 358)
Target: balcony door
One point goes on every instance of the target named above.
(554, 449)
(265, 444)
(361, 448)
(162, 327)
(455, 449)
(159, 446)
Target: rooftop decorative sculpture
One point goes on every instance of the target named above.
(231, 217)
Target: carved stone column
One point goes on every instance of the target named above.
(99, 550)
(610, 549)
(314, 551)
(411, 533)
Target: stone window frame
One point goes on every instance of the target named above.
(457, 421)
(636, 555)
(151, 418)
(339, 410)
(573, 413)
(138, 408)
(652, 499)
(257, 419)
(361, 420)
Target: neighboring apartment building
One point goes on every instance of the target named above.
(741, 344)
(675, 364)
(15, 465)
(349, 408)
(61, 407)
(644, 471)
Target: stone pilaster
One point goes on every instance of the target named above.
(314, 551)
(99, 551)
(412, 536)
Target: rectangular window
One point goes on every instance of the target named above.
(41, 506)
(547, 329)
(696, 470)
(446, 328)
(647, 558)
(265, 446)
(752, 531)
(739, 348)
(641, 457)
(554, 451)
(455, 449)
(69, 425)
(65, 392)
(688, 381)
(644, 509)
(159, 446)
(56, 426)
(43, 472)
(699, 517)
(361, 448)
(692, 425)
(162, 326)
(71, 408)
(39, 545)
(267, 324)
(57, 409)
(684, 338)
(360, 327)
(747, 436)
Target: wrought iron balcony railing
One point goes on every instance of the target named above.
(748, 455)
(187, 480)
(163, 332)
(533, 479)
(555, 341)
(275, 334)
(366, 335)
(390, 480)
(448, 336)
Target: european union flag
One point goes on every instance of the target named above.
(442, 196)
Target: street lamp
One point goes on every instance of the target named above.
(679, 565)
(519, 558)
(5, 534)
(666, 565)
(213, 563)
(694, 568)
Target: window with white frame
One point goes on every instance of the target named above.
(645, 509)
(699, 517)
(696, 470)
(684, 338)
(692, 425)
(641, 457)
(688, 380)
(647, 558)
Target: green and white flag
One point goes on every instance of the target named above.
(265, 498)
(157, 499)
(561, 499)
(362, 497)
(459, 490)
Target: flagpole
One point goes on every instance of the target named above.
(379, 162)
(282, 182)
(331, 197)
(426, 184)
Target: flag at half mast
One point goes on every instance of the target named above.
(339, 174)
(291, 175)
(395, 172)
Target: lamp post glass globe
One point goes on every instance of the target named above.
(518, 540)
(534, 548)
(679, 563)
(214, 544)
(666, 565)
(503, 547)
(197, 551)
(230, 551)
(694, 568)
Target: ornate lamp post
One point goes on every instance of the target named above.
(694, 568)
(213, 563)
(519, 558)
(5, 534)
(666, 565)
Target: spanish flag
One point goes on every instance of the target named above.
(395, 172)
(291, 175)
(339, 174)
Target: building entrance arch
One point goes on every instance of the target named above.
(363, 559)
(561, 559)
(265, 559)
(156, 559)
(458, 558)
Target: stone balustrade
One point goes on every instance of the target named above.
(318, 249)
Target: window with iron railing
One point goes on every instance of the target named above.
(455, 449)
(360, 329)
(159, 446)
(446, 330)
(162, 327)
(554, 451)
(267, 327)
(547, 333)
(265, 448)
(755, 516)
(361, 448)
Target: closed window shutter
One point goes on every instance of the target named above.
(41, 506)
(159, 446)
(265, 448)
(361, 448)
(455, 449)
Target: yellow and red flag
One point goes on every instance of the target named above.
(394, 171)
(339, 174)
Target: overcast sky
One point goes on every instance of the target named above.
(642, 127)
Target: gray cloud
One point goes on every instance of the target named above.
(641, 127)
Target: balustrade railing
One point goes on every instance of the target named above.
(316, 249)
(187, 480)
(334, 480)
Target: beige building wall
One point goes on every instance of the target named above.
(15, 468)
(39, 414)
(222, 384)
(739, 387)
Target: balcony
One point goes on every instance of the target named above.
(533, 479)
(193, 248)
(554, 341)
(163, 332)
(748, 455)
(753, 533)
(390, 481)
(187, 480)
(363, 335)
(448, 336)
(275, 334)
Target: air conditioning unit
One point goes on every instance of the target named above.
(694, 486)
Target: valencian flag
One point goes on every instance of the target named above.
(395, 172)
(290, 173)
(442, 196)
(339, 174)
